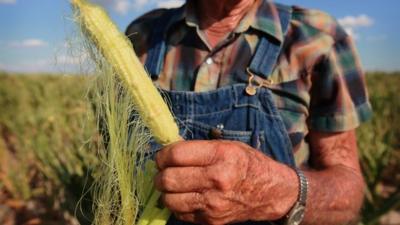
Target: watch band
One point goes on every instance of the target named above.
(296, 214)
(303, 186)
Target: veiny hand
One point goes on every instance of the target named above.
(219, 182)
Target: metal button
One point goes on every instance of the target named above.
(215, 133)
(251, 90)
(209, 61)
(220, 126)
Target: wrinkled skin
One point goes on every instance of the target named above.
(220, 182)
(217, 182)
(220, 17)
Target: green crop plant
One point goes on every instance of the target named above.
(379, 146)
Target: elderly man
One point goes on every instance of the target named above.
(267, 98)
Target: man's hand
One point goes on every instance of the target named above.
(219, 182)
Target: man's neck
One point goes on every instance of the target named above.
(220, 17)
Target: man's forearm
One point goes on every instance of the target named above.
(336, 186)
(335, 190)
(335, 196)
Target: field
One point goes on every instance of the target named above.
(48, 143)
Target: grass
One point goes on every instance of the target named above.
(48, 144)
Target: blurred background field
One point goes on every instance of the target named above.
(48, 143)
(48, 137)
(47, 147)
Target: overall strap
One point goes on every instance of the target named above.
(267, 51)
(155, 55)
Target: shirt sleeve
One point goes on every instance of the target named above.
(339, 97)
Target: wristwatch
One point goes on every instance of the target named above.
(296, 214)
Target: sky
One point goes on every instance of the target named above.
(36, 35)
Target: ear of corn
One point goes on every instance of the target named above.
(118, 51)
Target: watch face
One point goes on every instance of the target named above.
(296, 215)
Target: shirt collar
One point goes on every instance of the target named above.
(263, 16)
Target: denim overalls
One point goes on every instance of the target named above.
(229, 112)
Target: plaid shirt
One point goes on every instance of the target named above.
(318, 82)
